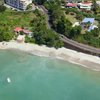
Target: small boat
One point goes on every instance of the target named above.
(8, 80)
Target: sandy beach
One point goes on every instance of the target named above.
(89, 61)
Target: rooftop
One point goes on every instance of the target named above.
(71, 4)
(18, 29)
(85, 20)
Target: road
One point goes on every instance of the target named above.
(80, 46)
(46, 13)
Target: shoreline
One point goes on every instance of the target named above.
(85, 60)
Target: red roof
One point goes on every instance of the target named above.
(18, 29)
(86, 3)
(71, 4)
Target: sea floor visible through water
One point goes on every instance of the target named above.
(41, 78)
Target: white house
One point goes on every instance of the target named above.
(98, 3)
(85, 5)
(19, 4)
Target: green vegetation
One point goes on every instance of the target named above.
(79, 14)
(35, 21)
(62, 20)
(2, 8)
(94, 6)
(59, 21)
(11, 19)
(71, 18)
(5, 36)
(91, 38)
(29, 40)
(42, 34)
(29, 7)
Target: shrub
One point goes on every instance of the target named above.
(21, 33)
(79, 16)
(29, 40)
(7, 36)
(2, 8)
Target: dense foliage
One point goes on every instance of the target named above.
(29, 39)
(59, 22)
(91, 38)
(63, 26)
(2, 8)
(5, 36)
(35, 21)
(42, 34)
(10, 19)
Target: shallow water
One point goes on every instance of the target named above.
(40, 78)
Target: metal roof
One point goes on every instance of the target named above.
(85, 20)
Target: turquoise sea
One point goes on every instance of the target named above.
(40, 78)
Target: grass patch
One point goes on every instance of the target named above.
(71, 18)
(10, 19)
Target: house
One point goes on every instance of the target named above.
(18, 4)
(88, 20)
(25, 31)
(18, 29)
(98, 3)
(85, 5)
(28, 32)
(71, 5)
(92, 27)
(88, 24)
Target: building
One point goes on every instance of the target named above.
(85, 5)
(27, 32)
(18, 29)
(19, 4)
(71, 5)
(98, 3)
(88, 24)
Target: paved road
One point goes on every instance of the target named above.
(80, 45)
(46, 13)
(89, 49)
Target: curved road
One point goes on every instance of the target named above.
(80, 46)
